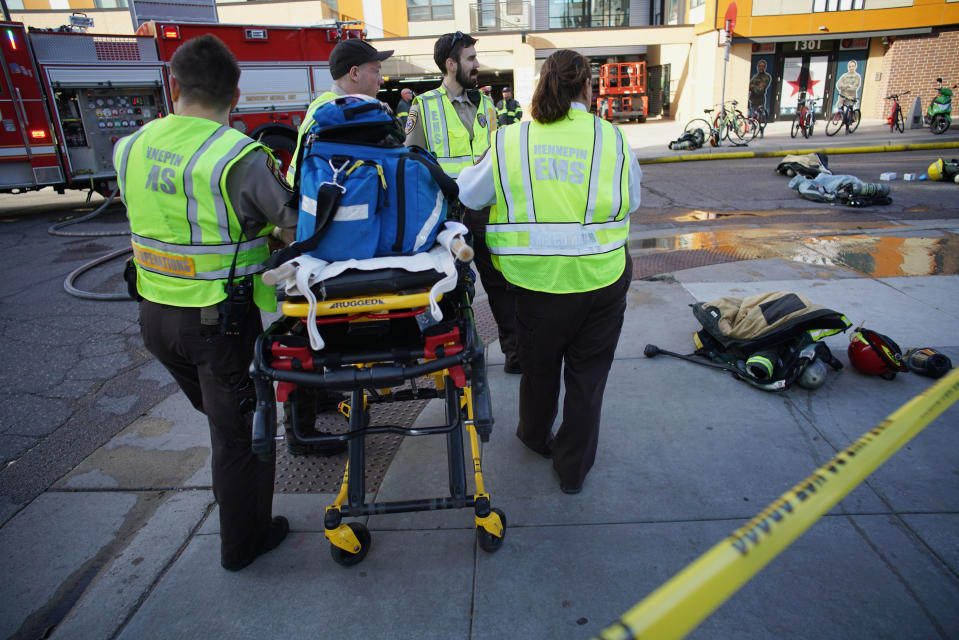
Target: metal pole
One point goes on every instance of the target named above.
(6, 12)
(722, 105)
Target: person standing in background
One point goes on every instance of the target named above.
(403, 106)
(508, 110)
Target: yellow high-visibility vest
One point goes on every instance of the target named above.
(321, 99)
(185, 232)
(561, 217)
(447, 138)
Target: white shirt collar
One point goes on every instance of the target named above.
(578, 105)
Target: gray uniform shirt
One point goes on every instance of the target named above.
(260, 194)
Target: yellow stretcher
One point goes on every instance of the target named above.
(379, 339)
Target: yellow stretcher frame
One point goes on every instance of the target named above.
(350, 541)
(360, 304)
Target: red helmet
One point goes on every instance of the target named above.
(875, 354)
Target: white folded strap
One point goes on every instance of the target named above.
(299, 275)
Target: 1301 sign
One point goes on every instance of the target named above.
(808, 45)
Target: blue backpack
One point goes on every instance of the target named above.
(361, 192)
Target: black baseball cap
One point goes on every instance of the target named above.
(352, 53)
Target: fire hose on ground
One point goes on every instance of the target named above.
(68, 283)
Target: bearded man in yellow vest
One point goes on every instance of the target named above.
(562, 189)
(355, 67)
(202, 199)
(455, 122)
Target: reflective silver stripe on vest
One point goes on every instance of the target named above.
(594, 170)
(437, 98)
(524, 169)
(192, 207)
(219, 201)
(199, 249)
(618, 179)
(558, 239)
(504, 174)
(124, 160)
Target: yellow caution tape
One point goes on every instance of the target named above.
(679, 605)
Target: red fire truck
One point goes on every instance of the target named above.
(66, 98)
(622, 91)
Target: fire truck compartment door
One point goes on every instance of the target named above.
(322, 80)
(273, 88)
(88, 77)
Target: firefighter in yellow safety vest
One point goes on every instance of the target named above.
(562, 189)
(202, 199)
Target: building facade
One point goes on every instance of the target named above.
(779, 49)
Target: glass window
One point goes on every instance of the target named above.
(574, 14)
(15, 5)
(696, 3)
(837, 5)
(425, 10)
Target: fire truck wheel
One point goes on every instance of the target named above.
(282, 145)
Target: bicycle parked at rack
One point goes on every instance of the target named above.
(896, 120)
(805, 119)
(845, 116)
(748, 125)
(762, 118)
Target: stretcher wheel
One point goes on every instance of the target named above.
(347, 559)
(487, 541)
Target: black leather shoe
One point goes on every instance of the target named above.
(570, 490)
(279, 527)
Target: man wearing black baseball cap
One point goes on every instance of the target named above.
(355, 67)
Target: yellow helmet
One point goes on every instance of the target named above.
(935, 170)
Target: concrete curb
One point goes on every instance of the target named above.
(919, 146)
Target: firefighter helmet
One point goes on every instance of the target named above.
(935, 170)
(875, 354)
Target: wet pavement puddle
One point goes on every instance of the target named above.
(909, 253)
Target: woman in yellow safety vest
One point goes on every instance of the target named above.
(562, 189)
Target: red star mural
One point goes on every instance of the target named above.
(809, 86)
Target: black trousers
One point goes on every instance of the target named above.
(575, 333)
(213, 372)
(501, 294)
